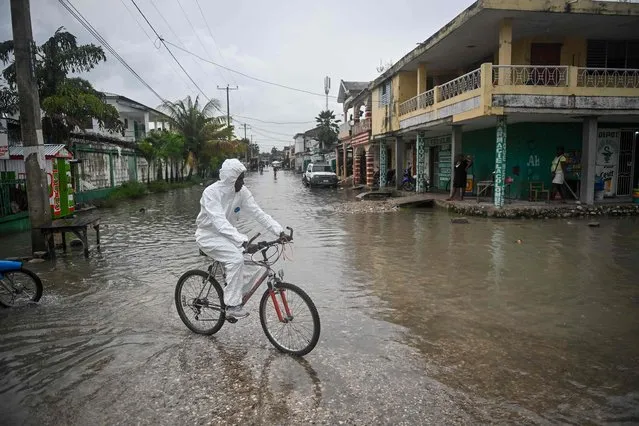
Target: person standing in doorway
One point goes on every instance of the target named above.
(460, 175)
(557, 169)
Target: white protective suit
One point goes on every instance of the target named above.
(216, 235)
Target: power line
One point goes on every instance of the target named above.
(243, 74)
(169, 50)
(87, 25)
(180, 76)
(274, 122)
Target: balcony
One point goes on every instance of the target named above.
(346, 130)
(558, 88)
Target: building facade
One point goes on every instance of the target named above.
(509, 82)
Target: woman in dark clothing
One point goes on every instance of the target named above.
(460, 174)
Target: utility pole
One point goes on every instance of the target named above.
(30, 122)
(228, 110)
(248, 151)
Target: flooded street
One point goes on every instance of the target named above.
(423, 321)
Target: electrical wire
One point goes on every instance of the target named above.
(283, 86)
(87, 25)
(171, 53)
(274, 122)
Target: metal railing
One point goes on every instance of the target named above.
(13, 197)
(608, 78)
(530, 75)
(466, 83)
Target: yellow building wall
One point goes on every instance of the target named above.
(379, 124)
(407, 86)
(573, 50)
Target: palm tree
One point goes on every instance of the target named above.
(200, 128)
(328, 128)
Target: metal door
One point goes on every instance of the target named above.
(626, 154)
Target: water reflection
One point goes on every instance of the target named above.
(422, 320)
(543, 328)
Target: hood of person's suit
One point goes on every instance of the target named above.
(230, 171)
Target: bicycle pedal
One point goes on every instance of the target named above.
(232, 320)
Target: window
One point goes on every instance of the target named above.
(322, 168)
(612, 54)
(384, 90)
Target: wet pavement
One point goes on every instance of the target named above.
(423, 322)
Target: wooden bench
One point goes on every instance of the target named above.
(77, 226)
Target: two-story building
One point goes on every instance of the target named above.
(509, 82)
(305, 145)
(355, 154)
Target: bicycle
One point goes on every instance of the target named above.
(18, 285)
(209, 298)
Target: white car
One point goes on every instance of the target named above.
(319, 174)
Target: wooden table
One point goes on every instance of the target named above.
(77, 226)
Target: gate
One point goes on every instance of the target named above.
(626, 156)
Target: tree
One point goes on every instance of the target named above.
(204, 133)
(328, 129)
(67, 102)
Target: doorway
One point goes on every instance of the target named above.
(545, 55)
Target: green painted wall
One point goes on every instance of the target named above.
(531, 147)
(14, 223)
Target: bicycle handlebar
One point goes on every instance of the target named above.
(263, 245)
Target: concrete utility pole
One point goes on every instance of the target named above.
(228, 110)
(30, 122)
(249, 154)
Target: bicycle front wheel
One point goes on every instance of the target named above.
(20, 287)
(200, 302)
(290, 319)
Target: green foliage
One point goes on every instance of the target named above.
(328, 129)
(67, 102)
(205, 135)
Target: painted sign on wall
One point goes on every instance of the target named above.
(4, 140)
(607, 158)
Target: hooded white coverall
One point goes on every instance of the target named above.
(216, 235)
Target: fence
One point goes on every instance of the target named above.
(13, 197)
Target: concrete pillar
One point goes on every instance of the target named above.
(421, 78)
(500, 161)
(455, 150)
(370, 167)
(505, 50)
(399, 161)
(383, 160)
(344, 162)
(588, 159)
(337, 163)
(420, 145)
(146, 122)
(356, 175)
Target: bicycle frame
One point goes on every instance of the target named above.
(268, 273)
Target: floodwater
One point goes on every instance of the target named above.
(423, 322)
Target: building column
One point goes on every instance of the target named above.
(455, 150)
(500, 161)
(344, 163)
(370, 166)
(146, 123)
(505, 49)
(399, 161)
(383, 160)
(356, 164)
(421, 78)
(588, 160)
(420, 145)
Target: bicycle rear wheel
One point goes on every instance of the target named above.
(19, 287)
(200, 302)
(298, 330)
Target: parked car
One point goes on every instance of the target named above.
(319, 174)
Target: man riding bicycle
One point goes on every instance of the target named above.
(216, 235)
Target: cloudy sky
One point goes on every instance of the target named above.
(293, 43)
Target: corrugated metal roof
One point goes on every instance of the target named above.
(49, 151)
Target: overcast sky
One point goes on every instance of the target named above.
(294, 43)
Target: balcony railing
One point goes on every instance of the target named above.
(463, 84)
(361, 126)
(608, 78)
(558, 76)
(530, 75)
